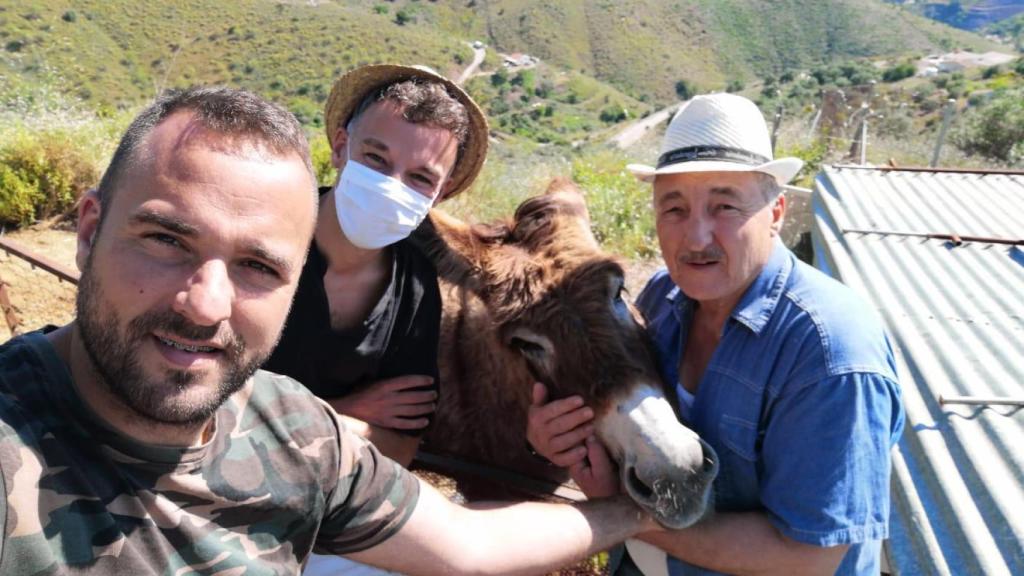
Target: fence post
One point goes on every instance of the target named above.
(775, 125)
(864, 136)
(947, 116)
(8, 310)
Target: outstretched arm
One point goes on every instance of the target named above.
(746, 544)
(497, 538)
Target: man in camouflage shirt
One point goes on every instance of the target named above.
(141, 439)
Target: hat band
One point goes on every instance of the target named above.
(695, 153)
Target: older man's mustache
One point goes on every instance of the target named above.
(706, 255)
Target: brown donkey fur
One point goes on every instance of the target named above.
(532, 299)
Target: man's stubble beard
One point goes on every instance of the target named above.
(115, 358)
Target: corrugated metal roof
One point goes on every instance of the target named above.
(956, 315)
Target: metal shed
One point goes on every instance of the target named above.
(940, 254)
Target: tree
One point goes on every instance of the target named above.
(685, 89)
(499, 78)
(898, 72)
(996, 130)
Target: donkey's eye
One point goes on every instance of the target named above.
(526, 347)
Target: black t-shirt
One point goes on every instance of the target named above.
(400, 336)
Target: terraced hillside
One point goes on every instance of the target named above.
(112, 52)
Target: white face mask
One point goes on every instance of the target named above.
(376, 210)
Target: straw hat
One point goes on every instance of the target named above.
(718, 133)
(350, 90)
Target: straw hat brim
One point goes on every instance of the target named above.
(350, 89)
(783, 169)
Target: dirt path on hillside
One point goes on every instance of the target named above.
(478, 58)
(635, 131)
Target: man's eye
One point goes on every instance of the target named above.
(261, 268)
(164, 239)
(374, 158)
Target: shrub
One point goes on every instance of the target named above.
(735, 86)
(898, 72)
(996, 130)
(43, 176)
(70, 16)
(307, 112)
(17, 198)
(812, 153)
(685, 89)
(613, 114)
(499, 78)
(619, 204)
(320, 151)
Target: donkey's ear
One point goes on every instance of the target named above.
(560, 211)
(452, 246)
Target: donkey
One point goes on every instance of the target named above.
(535, 299)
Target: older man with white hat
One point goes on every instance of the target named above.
(787, 373)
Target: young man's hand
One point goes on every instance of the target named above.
(392, 403)
(562, 432)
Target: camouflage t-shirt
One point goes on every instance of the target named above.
(279, 478)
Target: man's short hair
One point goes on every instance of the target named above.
(770, 187)
(227, 111)
(421, 102)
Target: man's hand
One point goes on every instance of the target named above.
(557, 430)
(597, 475)
(561, 432)
(391, 403)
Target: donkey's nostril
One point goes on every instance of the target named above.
(639, 487)
(710, 465)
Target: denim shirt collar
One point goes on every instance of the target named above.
(755, 308)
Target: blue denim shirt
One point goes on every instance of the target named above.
(799, 400)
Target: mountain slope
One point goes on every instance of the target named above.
(645, 46)
(117, 52)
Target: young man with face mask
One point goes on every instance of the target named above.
(363, 330)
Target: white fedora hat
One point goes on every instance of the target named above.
(718, 133)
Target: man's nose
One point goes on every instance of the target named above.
(697, 233)
(208, 297)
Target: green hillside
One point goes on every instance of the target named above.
(112, 52)
(644, 47)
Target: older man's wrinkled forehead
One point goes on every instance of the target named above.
(675, 184)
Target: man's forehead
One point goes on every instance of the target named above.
(382, 125)
(183, 130)
(667, 186)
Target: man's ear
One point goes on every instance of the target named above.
(778, 213)
(89, 216)
(339, 150)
